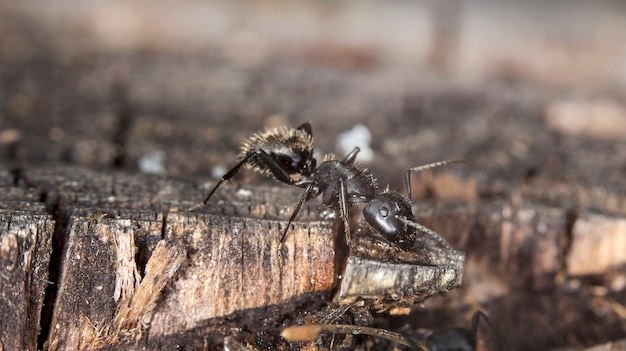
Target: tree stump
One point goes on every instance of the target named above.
(133, 267)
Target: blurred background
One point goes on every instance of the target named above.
(534, 93)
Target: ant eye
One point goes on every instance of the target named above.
(384, 211)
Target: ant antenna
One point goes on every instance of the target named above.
(407, 173)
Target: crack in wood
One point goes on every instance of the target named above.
(59, 236)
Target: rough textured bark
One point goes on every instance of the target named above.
(25, 245)
(134, 268)
(234, 266)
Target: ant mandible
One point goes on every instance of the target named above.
(284, 151)
(453, 339)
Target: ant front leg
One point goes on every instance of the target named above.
(343, 211)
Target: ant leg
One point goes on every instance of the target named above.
(431, 233)
(352, 156)
(343, 212)
(332, 198)
(306, 127)
(305, 195)
(476, 320)
(278, 172)
(265, 159)
(229, 175)
(407, 173)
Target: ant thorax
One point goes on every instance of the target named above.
(359, 184)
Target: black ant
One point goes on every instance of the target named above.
(284, 151)
(453, 339)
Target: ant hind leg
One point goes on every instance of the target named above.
(265, 159)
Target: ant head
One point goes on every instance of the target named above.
(383, 213)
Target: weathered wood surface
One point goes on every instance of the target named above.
(25, 246)
(394, 278)
(98, 269)
(240, 261)
(101, 267)
(113, 222)
(401, 283)
(219, 266)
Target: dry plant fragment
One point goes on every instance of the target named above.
(313, 331)
(127, 278)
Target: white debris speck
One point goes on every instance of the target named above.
(359, 136)
(244, 192)
(218, 172)
(328, 214)
(153, 163)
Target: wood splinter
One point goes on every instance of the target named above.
(134, 311)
